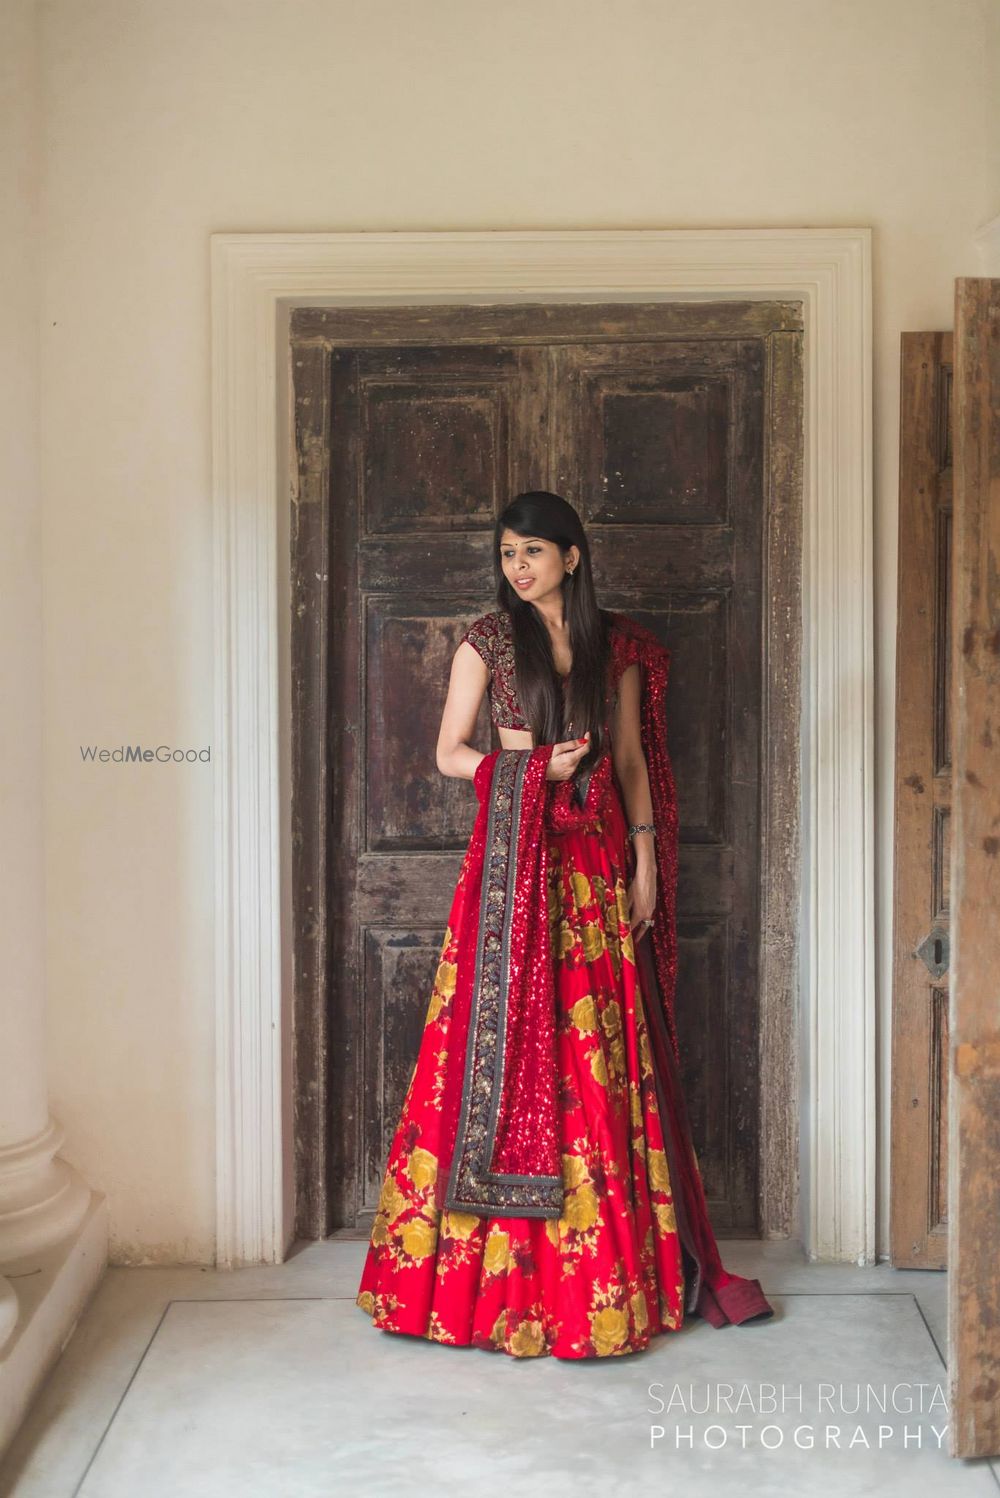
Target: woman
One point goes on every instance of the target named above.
(541, 1194)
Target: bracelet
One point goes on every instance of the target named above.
(642, 827)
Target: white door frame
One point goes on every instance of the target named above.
(255, 279)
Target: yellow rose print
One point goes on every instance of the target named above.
(659, 1176)
(391, 1200)
(497, 1253)
(567, 939)
(460, 1225)
(422, 1168)
(598, 1068)
(611, 1022)
(640, 1311)
(665, 1217)
(609, 1330)
(611, 1018)
(574, 1171)
(581, 1209)
(594, 943)
(528, 1341)
(418, 1237)
(445, 980)
(584, 1013)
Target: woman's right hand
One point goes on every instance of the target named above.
(565, 758)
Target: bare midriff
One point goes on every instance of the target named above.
(521, 738)
(515, 738)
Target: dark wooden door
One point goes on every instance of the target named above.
(406, 452)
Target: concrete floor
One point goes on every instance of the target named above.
(272, 1382)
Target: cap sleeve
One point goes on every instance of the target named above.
(481, 635)
(624, 653)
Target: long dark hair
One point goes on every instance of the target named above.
(539, 690)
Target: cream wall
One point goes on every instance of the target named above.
(23, 1111)
(166, 122)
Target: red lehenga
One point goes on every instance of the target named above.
(541, 1194)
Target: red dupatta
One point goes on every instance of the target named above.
(500, 1142)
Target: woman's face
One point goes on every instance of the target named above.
(534, 568)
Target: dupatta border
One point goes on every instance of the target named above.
(472, 1186)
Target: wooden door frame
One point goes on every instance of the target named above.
(256, 278)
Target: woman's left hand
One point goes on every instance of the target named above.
(642, 900)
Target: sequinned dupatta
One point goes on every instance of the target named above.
(500, 1151)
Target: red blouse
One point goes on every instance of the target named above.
(492, 637)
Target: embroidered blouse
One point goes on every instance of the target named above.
(492, 637)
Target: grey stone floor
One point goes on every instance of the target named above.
(196, 1384)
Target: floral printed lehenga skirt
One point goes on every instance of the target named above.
(607, 1275)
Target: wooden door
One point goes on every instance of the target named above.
(974, 1098)
(918, 1228)
(413, 428)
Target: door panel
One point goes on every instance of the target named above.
(659, 446)
(425, 443)
(918, 1215)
